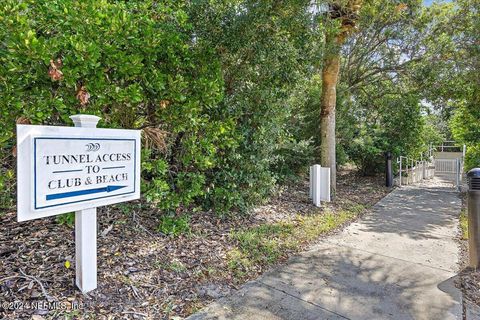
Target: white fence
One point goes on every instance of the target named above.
(449, 169)
(446, 166)
(413, 171)
(450, 146)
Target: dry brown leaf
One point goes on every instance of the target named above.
(82, 95)
(164, 104)
(401, 7)
(23, 120)
(54, 70)
(58, 63)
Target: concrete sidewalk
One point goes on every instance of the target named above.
(398, 262)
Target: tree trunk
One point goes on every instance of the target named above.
(330, 72)
(348, 15)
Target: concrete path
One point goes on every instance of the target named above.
(398, 262)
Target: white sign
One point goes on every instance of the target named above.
(65, 169)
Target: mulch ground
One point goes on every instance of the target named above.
(142, 274)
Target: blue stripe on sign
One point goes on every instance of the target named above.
(82, 192)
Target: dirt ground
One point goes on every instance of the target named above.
(142, 274)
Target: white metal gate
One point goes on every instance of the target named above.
(449, 169)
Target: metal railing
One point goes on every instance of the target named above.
(450, 146)
(413, 171)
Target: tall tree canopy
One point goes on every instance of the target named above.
(231, 95)
(465, 123)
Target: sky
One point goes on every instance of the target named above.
(429, 2)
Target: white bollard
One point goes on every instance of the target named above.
(316, 185)
(86, 230)
(325, 184)
(310, 196)
(319, 184)
(457, 174)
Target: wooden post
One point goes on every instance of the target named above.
(86, 230)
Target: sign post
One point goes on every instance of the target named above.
(86, 230)
(76, 169)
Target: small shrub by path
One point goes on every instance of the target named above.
(144, 273)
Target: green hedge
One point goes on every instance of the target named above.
(133, 63)
(160, 67)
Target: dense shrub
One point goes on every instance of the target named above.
(461, 88)
(209, 87)
(472, 157)
(133, 63)
(396, 126)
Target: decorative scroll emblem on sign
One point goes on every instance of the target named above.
(93, 146)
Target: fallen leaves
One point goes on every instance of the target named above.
(140, 275)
